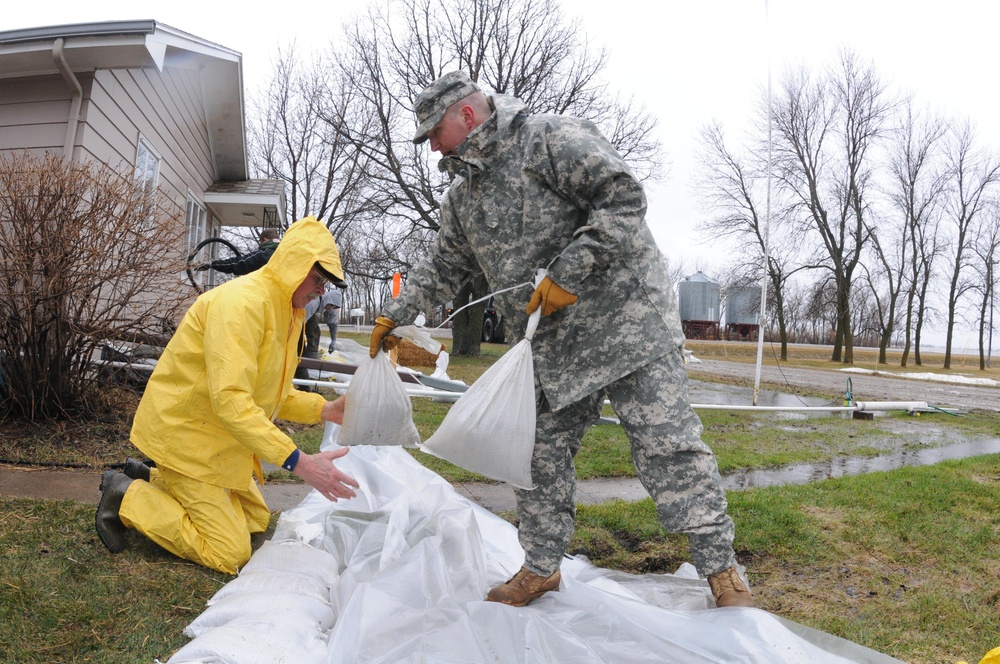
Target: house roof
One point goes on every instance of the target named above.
(138, 45)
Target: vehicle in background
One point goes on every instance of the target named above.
(493, 331)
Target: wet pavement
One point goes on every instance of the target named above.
(82, 486)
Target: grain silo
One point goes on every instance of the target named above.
(743, 312)
(698, 298)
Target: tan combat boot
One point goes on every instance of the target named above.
(524, 587)
(729, 590)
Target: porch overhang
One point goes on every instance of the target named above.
(248, 203)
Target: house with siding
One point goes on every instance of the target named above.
(142, 95)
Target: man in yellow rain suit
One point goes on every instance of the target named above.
(206, 417)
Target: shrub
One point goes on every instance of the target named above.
(88, 256)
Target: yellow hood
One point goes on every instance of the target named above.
(306, 242)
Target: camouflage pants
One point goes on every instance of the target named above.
(677, 469)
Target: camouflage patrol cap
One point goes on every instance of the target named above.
(434, 100)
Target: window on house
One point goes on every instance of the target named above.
(147, 172)
(147, 164)
(197, 222)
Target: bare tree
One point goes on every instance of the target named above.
(734, 187)
(915, 191)
(927, 247)
(973, 174)
(526, 49)
(88, 256)
(293, 139)
(987, 252)
(821, 310)
(826, 131)
(885, 279)
(796, 321)
(869, 312)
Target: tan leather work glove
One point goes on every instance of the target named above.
(551, 297)
(380, 336)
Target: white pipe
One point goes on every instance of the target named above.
(860, 405)
(766, 262)
(855, 405)
(59, 56)
(126, 365)
(414, 391)
(341, 387)
(890, 405)
(442, 395)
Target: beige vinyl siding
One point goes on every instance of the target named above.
(167, 110)
(33, 114)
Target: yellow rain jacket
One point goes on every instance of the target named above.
(208, 409)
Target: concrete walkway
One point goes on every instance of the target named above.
(83, 486)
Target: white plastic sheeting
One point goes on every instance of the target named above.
(398, 575)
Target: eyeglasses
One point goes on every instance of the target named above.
(319, 279)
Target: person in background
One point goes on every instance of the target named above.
(548, 191)
(240, 265)
(332, 302)
(312, 329)
(206, 417)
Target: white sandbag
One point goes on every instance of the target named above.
(378, 409)
(491, 428)
(239, 607)
(295, 555)
(404, 601)
(273, 581)
(278, 638)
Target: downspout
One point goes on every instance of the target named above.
(74, 111)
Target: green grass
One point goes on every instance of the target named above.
(63, 598)
(904, 562)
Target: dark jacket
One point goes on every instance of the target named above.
(241, 265)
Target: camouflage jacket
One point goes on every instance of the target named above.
(535, 191)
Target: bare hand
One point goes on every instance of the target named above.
(333, 411)
(319, 472)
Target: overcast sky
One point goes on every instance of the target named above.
(688, 62)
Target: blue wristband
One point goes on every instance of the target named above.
(291, 461)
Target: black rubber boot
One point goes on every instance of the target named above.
(109, 526)
(136, 469)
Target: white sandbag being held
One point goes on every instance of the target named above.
(491, 429)
(377, 410)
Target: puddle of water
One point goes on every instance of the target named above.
(843, 467)
(718, 394)
(715, 393)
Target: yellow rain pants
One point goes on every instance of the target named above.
(203, 523)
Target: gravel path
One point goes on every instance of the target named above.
(864, 387)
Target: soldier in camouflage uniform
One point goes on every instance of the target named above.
(532, 191)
